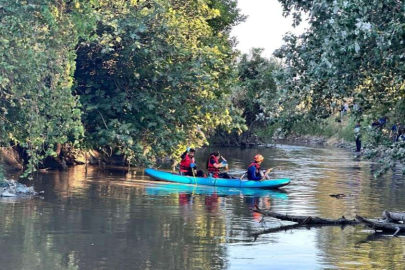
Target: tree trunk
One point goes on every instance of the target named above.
(11, 158)
(308, 220)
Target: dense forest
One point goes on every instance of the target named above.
(142, 80)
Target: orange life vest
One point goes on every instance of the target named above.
(214, 171)
(185, 163)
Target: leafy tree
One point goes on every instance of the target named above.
(155, 80)
(230, 15)
(149, 76)
(351, 49)
(254, 95)
(37, 42)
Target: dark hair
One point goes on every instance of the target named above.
(186, 152)
(209, 157)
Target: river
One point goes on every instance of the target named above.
(112, 219)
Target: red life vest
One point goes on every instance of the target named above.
(257, 165)
(185, 163)
(211, 168)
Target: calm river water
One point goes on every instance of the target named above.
(117, 220)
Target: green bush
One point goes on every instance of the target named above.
(328, 128)
(268, 132)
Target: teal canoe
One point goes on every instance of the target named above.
(219, 182)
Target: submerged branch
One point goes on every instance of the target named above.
(381, 225)
(307, 220)
(299, 221)
(276, 229)
(393, 217)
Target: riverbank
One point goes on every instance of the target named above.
(317, 140)
(13, 158)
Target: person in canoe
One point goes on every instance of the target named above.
(188, 166)
(214, 166)
(254, 172)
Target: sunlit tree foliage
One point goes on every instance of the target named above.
(141, 79)
(352, 49)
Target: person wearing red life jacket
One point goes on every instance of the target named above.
(254, 172)
(214, 166)
(188, 165)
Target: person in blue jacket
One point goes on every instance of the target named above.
(254, 172)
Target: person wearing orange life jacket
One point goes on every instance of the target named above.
(188, 165)
(254, 172)
(213, 166)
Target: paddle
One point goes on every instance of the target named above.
(195, 179)
(226, 167)
(267, 172)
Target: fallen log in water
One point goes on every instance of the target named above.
(308, 220)
(381, 225)
(389, 223)
(300, 221)
(393, 217)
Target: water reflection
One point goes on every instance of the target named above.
(165, 189)
(115, 219)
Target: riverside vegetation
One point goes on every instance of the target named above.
(135, 79)
(142, 80)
